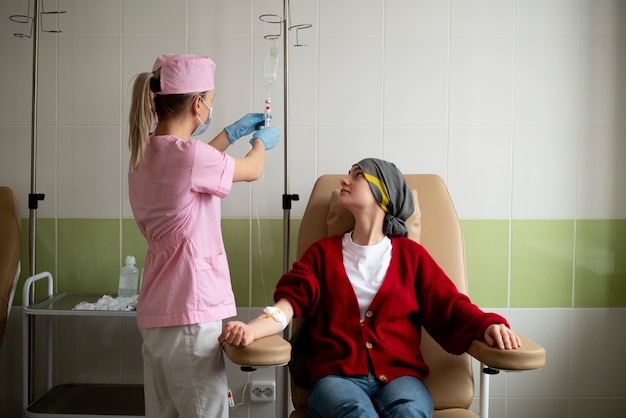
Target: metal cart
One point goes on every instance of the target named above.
(69, 399)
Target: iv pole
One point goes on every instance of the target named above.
(33, 199)
(287, 198)
(33, 196)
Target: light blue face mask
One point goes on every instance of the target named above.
(203, 125)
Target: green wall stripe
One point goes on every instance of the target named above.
(487, 254)
(552, 264)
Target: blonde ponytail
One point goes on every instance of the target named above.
(140, 118)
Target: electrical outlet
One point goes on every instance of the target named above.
(263, 391)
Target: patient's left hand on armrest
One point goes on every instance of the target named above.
(500, 336)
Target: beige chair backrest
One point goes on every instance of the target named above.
(436, 226)
(10, 249)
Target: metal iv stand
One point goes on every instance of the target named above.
(33, 197)
(287, 198)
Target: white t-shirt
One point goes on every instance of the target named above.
(366, 266)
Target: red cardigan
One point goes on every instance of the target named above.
(415, 293)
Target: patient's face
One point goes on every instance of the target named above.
(355, 194)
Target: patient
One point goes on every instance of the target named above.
(365, 296)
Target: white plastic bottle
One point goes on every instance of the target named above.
(129, 276)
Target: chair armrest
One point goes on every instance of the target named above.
(267, 351)
(529, 356)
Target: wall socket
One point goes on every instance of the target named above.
(263, 391)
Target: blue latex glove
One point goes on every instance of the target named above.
(270, 137)
(244, 126)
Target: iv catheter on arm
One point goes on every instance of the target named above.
(270, 74)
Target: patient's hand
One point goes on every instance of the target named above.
(237, 333)
(499, 335)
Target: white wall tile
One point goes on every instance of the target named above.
(537, 408)
(602, 17)
(16, 97)
(497, 407)
(598, 369)
(220, 17)
(16, 9)
(89, 187)
(482, 17)
(351, 17)
(155, 16)
(349, 80)
(303, 84)
(90, 16)
(340, 147)
(546, 81)
(601, 172)
(302, 148)
(415, 82)
(89, 82)
(479, 172)
(418, 17)
(598, 407)
(547, 18)
(481, 77)
(602, 68)
(417, 149)
(15, 171)
(544, 172)
(552, 329)
(47, 171)
(47, 77)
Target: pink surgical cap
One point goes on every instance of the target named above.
(184, 73)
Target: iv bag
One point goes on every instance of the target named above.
(270, 65)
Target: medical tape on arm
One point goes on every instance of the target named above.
(276, 314)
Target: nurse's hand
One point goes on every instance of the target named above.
(245, 126)
(236, 333)
(269, 136)
(499, 335)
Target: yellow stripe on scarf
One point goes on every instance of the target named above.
(383, 189)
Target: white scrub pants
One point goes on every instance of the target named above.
(184, 372)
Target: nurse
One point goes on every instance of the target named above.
(176, 185)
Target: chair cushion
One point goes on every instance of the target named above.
(340, 220)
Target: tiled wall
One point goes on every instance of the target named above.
(517, 104)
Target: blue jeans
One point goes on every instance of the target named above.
(365, 396)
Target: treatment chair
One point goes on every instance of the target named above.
(10, 249)
(436, 226)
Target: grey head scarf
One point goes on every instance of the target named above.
(391, 192)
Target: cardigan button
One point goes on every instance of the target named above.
(369, 314)
(382, 378)
(369, 345)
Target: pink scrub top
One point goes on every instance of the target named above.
(175, 196)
